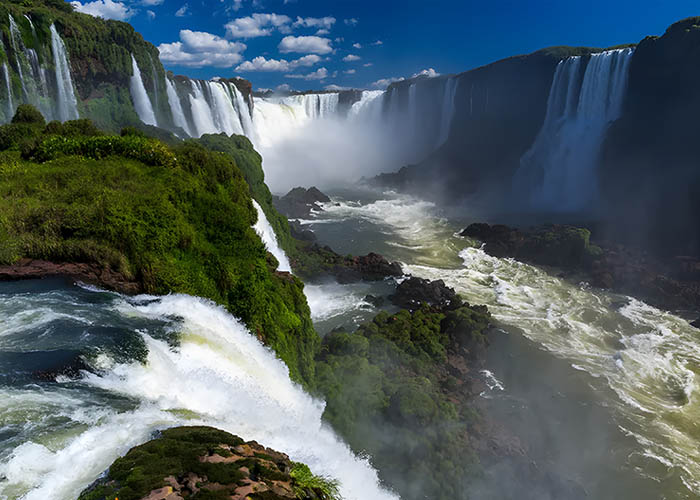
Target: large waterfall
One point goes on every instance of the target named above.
(559, 170)
(43, 74)
(142, 103)
(67, 103)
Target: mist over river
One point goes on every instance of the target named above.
(599, 388)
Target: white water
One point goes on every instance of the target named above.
(226, 117)
(560, 168)
(18, 48)
(219, 375)
(448, 109)
(9, 102)
(267, 235)
(142, 103)
(67, 103)
(201, 112)
(178, 114)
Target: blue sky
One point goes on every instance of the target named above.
(312, 44)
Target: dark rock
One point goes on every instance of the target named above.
(374, 300)
(300, 233)
(88, 273)
(299, 202)
(413, 292)
(696, 323)
(321, 261)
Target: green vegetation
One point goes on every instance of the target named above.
(172, 219)
(180, 452)
(390, 394)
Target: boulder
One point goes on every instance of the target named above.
(414, 292)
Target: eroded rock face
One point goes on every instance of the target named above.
(322, 261)
(203, 462)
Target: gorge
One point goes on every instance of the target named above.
(152, 279)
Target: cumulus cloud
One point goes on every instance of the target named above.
(198, 48)
(430, 73)
(261, 64)
(151, 15)
(349, 72)
(305, 44)
(378, 42)
(151, 3)
(385, 82)
(367, 65)
(257, 25)
(319, 74)
(335, 88)
(357, 45)
(315, 22)
(107, 9)
(283, 87)
(351, 22)
(322, 31)
(351, 58)
(182, 11)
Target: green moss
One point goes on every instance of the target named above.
(390, 395)
(304, 480)
(172, 219)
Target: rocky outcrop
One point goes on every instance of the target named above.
(672, 283)
(316, 262)
(91, 273)
(299, 202)
(203, 462)
(413, 292)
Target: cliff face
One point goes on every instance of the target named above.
(650, 177)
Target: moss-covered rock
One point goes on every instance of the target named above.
(206, 463)
(398, 389)
(168, 219)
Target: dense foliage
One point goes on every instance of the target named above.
(390, 394)
(179, 452)
(173, 219)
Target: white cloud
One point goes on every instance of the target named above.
(261, 64)
(151, 3)
(349, 72)
(322, 31)
(151, 15)
(182, 11)
(237, 4)
(107, 9)
(385, 82)
(378, 42)
(257, 25)
(351, 58)
(367, 65)
(315, 22)
(283, 87)
(336, 88)
(430, 73)
(319, 74)
(351, 22)
(198, 48)
(357, 45)
(305, 44)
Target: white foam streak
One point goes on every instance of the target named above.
(142, 103)
(269, 238)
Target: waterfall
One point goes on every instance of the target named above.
(243, 113)
(17, 48)
(559, 170)
(142, 103)
(201, 112)
(267, 235)
(369, 107)
(448, 109)
(66, 101)
(225, 116)
(179, 118)
(10, 104)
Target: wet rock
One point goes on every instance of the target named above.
(80, 271)
(696, 323)
(322, 261)
(374, 300)
(413, 292)
(299, 202)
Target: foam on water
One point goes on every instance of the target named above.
(218, 374)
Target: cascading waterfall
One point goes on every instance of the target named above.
(201, 112)
(10, 104)
(17, 48)
(179, 118)
(243, 113)
(61, 435)
(448, 109)
(225, 115)
(267, 235)
(66, 101)
(559, 170)
(142, 103)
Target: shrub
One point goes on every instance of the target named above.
(26, 113)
